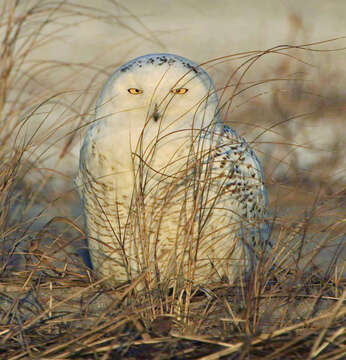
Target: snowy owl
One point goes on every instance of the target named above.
(169, 193)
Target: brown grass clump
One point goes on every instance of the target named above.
(52, 307)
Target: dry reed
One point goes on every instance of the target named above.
(51, 306)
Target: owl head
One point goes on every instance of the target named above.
(158, 90)
(159, 101)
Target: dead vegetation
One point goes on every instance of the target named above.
(51, 305)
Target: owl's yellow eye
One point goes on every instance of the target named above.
(179, 91)
(135, 91)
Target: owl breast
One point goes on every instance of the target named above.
(183, 221)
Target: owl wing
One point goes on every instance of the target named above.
(236, 162)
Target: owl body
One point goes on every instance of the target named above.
(169, 193)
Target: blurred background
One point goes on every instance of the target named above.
(84, 41)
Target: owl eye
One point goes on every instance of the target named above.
(179, 91)
(135, 91)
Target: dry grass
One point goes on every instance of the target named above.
(51, 307)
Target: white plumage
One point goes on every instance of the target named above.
(168, 191)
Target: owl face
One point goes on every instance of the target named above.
(158, 90)
(154, 104)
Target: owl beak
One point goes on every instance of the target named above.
(156, 114)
